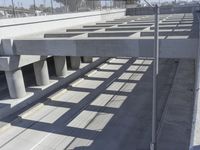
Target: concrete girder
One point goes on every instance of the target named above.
(168, 33)
(109, 47)
(9, 63)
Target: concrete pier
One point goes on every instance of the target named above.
(41, 73)
(15, 83)
(86, 59)
(74, 62)
(60, 65)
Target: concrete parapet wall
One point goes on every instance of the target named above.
(163, 10)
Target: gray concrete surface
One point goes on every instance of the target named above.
(163, 10)
(86, 59)
(113, 40)
(175, 128)
(15, 83)
(41, 73)
(60, 66)
(110, 109)
(34, 93)
(74, 62)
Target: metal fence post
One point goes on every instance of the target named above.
(13, 9)
(52, 7)
(66, 6)
(34, 6)
(99, 5)
(76, 6)
(155, 76)
(93, 4)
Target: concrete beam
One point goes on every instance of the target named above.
(172, 27)
(97, 26)
(110, 47)
(168, 33)
(108, 23)
(126, 28)
(137, 24)
(83, 30)
(61, 35)
(9, 63)
(92, 34)
(110, 34)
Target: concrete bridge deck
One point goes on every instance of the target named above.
(115, 38)
(109, 108)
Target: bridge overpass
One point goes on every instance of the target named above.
(106, 104)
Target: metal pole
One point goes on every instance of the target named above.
(100, 2)
(76, 5)
(93, 5)
(155, 76)
(52, 7)
(66, 6)
(34, 6)
(13, 8)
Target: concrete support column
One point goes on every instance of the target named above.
(41, 72)
(86, 59)
(15, 83)
(74, 62)
(60, 65)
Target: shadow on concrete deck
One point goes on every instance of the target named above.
(110, 112)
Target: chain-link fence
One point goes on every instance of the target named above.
(25, 8)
